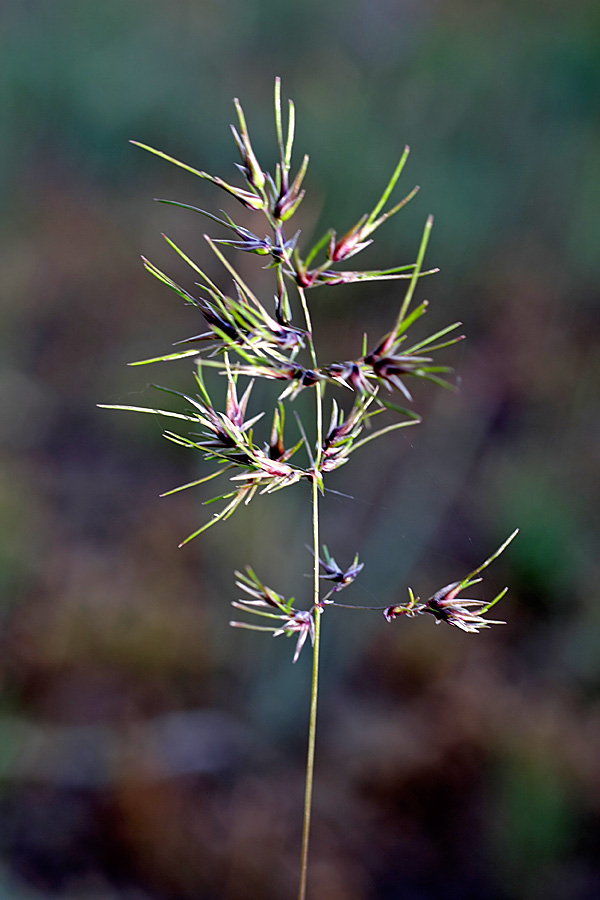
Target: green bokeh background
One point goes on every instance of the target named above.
(147, 751)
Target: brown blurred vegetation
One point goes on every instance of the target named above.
(146, 751)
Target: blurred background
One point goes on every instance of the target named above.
(149, 752)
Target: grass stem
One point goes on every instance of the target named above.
(314, 692)
(312, 727)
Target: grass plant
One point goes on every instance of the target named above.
(246, 339)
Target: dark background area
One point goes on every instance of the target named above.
(149, 752)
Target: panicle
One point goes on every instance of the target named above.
(243, 337)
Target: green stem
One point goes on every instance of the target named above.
(312, 727)
(314, 693)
